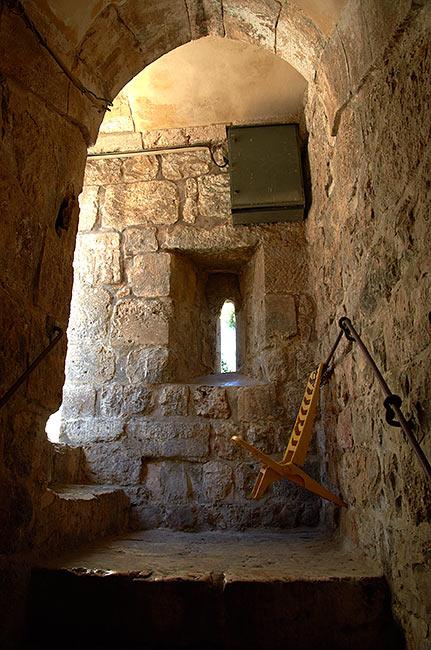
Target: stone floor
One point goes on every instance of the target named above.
(255, 590)
(308, 554)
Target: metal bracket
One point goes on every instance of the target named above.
(344, 326)
(392, 400)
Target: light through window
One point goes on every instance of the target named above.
(228, 337)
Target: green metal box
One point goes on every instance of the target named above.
(266, 182)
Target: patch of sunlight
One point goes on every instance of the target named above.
(52, 427)
(228, 337)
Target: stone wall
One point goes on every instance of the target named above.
(368, 233)
(156, 258)
(42, 154)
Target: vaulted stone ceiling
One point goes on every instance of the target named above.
(113, 40)
(253, 67)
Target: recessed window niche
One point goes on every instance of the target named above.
(227, 337)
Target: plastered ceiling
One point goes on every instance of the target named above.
(212, 81)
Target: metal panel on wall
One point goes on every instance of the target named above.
(266, 182)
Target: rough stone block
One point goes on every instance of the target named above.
(182, 517)
(119, 117)
(262, 436)
(280, 316)
(89, 364)
(245, 477)
(175, 483)
(141, 19)
(211, 402)
(276, 364)
(255, 403)
(88, 207)
(103, 172)
(54, 275)
(149, 365)
(172, 439)
(223, 240)
(132, 204)
(83, 431)
(217, 480)
(190, 208)
(253, 22)
(140, 240)
(222, 445)
(114, 142)
(174, 400)
(353, 30)
(214, 195)
(89, 314)
(183, 165)
(334, 81)
(116, 462)
(78, 401)
(97, 258)
(141, 322)
(151, 275)
(69, 465)
(286, 261)
(140, 168)
(117, 400)
(206, 18)
(298, 40)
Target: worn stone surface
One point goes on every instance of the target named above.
(174, 400)
(150, 275)
(92, 306)
(90, 364)
(132, 204)
(149, 365)
(211, 402)
(214, 197)
(255, 403)
(88, 207)
(140, 240)
(280, 316)
(78, 401)
(141, 322)
(97, 258)
(172, 439)
(140, 168)
(162, 326)
(184, 165)
(117, 400)
(365, 231)
(253, 22)
(367, 234)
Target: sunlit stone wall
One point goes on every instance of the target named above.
(156, 258)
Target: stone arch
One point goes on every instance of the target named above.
(124, 38)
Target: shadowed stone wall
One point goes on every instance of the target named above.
(368, 231)
(369, 134)
(156, 257)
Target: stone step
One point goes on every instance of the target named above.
(74, 514)
(251, 590)
(69, 464)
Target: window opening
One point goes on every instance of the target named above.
(228, 337)
(53, 424)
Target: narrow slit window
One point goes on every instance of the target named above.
(228, 337)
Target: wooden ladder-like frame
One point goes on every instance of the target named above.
(296, 450)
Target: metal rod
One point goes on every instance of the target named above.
(199, 146)
(346, 323)
(6, 397)
(334, 347)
